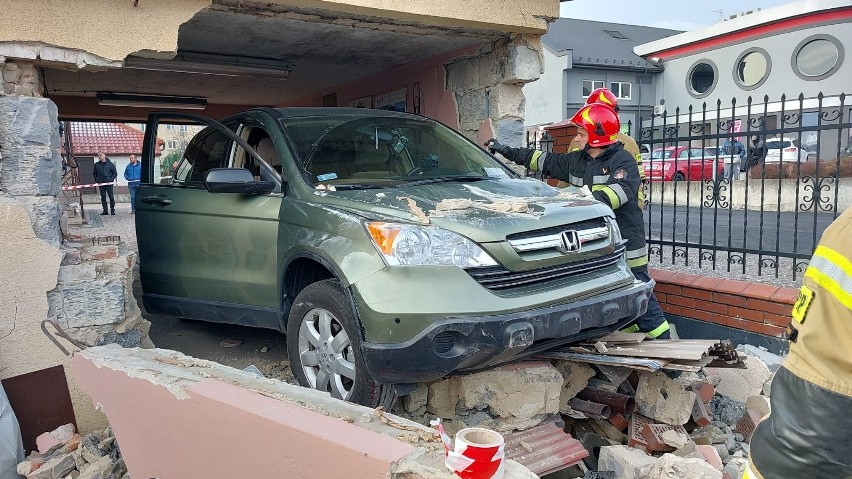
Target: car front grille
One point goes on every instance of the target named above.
(590, 232)
(498, 278)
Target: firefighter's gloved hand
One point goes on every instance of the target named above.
(495, 146)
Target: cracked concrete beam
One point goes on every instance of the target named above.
(103, 28)
(208, 407)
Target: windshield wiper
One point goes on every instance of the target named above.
(445, 179)
(355, 186)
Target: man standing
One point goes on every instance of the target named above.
(807, 432)
(613, 177)
(133, 175)
(105, 173)
(733, 151)
(756, 154)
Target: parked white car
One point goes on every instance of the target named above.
(785, 149)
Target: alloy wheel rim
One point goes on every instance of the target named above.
(326, 354)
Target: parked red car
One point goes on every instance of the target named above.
(679, 163)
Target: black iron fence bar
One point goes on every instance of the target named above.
(770, 132)
(703, 246)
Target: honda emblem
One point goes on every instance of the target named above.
(570, 241)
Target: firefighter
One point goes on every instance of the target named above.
(602, 96)
(807, 434)
(613, 177)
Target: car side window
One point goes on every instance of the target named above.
(684, 153)
(270, 168)
(209, 149)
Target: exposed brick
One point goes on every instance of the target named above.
(776, 319)
(701, 315)
(706, 282)
(696, 293)
(618, 420)
(760, 291)
(700, 414)
(660, 275)
(747, 423)
(681, 301)
(661, 297)
(732, 322)
(767, 329)
(667, 288)
(768, 306)
(635, 436)
(749, 314)
(682, 279)
(712, 307)
(704, 390)
(672, 309)
(730, 299)
(653, 434)
(731, 286)
(785, 295)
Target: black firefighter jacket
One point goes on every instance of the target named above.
(613, 178)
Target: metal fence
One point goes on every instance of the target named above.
(702, 211)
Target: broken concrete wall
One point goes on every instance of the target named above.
(266, 426)
(29, 270)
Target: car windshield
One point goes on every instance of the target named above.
(386, 151)
(660, 154)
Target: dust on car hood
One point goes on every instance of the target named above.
(484, 210)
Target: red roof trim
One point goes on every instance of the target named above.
(758, 31)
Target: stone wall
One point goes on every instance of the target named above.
(488, 88)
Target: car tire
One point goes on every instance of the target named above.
(679, 176)
(320, 315)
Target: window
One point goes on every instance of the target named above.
(752, 68)
(183, 128)
(701, 79)
(171, 145)
(621, 90)
(817, 57)
(591, 85)
(209, 149)
(170, 127)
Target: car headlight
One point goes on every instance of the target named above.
(405, 244)
(615, 231)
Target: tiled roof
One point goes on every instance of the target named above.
(111, 138)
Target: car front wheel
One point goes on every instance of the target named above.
(323, 347)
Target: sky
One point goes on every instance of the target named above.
(674, 14)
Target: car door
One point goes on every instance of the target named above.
(203, 255)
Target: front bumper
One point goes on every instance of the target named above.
(472, 343)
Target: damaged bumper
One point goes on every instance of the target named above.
(471, 343)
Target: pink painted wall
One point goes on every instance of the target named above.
(435, 101)
(225, 431)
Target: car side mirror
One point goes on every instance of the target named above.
(235, 180)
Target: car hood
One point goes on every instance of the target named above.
(484, 210)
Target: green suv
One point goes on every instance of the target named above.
(390, 249)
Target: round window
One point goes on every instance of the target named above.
(702, 78)
(817, 57)
(752, 69)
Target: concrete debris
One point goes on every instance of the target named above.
(575, 378)
(93, 456)
(230, 343)
(739, 384)
(663, 399)
(772, 361)
(727, 410)
(675, 467)
(626, 462)
(675, 437)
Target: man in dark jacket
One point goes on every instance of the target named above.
(613, 177)
(105, 173)
(756, 154)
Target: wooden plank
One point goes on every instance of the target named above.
(686, 349)
(619, 337)
(642, 364)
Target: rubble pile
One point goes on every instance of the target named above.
(64, 454)
(640, 421)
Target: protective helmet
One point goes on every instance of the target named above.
(600, 122)
(602, 96)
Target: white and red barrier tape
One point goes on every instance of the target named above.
(473, 461)
(80, 187)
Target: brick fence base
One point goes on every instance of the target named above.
(757, 308)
